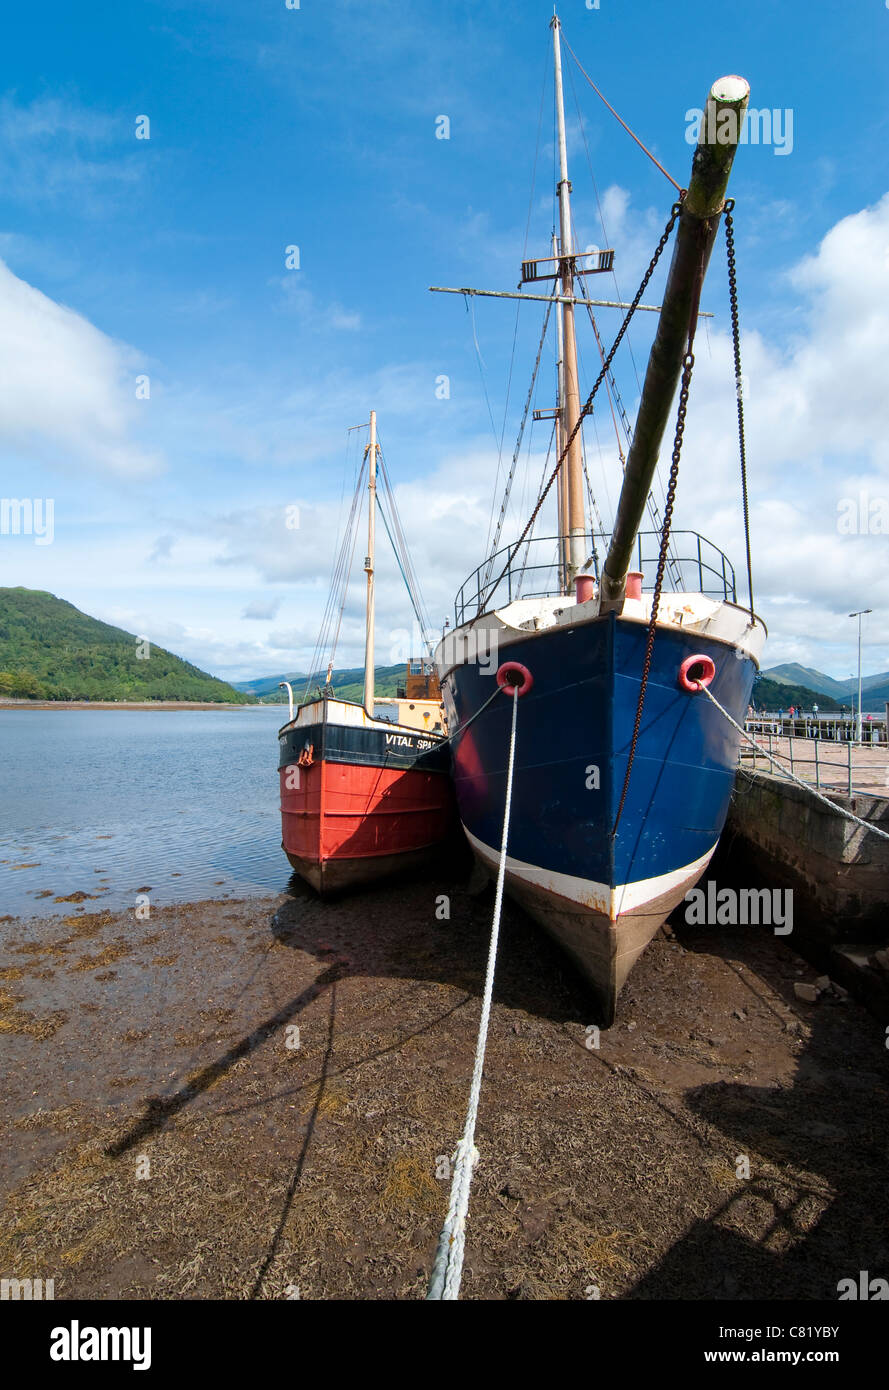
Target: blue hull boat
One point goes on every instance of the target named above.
(601, 894)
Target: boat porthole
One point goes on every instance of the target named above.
(513, 675)
(696, 673)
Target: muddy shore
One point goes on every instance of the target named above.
(166, 1137)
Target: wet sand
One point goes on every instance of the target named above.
(166, 1048)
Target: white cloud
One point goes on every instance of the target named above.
(816, 434)
(262, 610)
(69, 392)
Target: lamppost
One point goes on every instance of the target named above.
(859, 615)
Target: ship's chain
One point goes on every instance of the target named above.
(588, 405)
(687, 367)
(739, 383)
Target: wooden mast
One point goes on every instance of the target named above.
(572, 489)
(562, 492)
(369, 566)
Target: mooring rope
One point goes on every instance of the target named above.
(807, 786)
(447, 1268)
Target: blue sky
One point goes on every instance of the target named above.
(316, 127)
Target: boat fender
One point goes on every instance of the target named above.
(512, 675)
(306, 757)
(696, 673)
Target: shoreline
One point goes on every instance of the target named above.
(160, 705)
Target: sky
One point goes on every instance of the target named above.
(218, 224)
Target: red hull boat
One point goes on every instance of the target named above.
(365, 787)
(361, 798)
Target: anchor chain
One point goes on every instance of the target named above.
(736, 344)
(687, 367)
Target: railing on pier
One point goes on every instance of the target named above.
(830, 764)
(534, 570)
(833, 727)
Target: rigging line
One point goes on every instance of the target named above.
(523, 566)
(653, 510)
(515, 334)
(345, 567)
(611, 386)
(403, 557)
(492, 546)
(470, 309)
(336, 582)
(605, 235)
(323, 635)
(650, 503)
(488, 546)
(337, 595)
(604, 471)
(401, 568)
(422, 614)
(546, 61)
(594, 507)
(622, 122)
(345, 592)
(588, 404)
(408, 569)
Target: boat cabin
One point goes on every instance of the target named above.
(417, 702)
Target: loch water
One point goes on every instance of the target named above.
(111, 802)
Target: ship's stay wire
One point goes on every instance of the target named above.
(619, 119)
(401, 550)
(336, 598)
(488, 546)
(611, 386)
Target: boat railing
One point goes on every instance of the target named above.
(695, 565)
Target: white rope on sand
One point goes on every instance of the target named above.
(447, 1268)
(807, 786)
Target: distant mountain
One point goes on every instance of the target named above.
(50, 650)
(875, 698)
(791, 673)
(875, 689)
(348, 683)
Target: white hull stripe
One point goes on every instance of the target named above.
(612, 902)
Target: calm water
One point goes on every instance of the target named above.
(184, 802)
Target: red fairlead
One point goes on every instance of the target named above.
(695, 673)
(512, 675)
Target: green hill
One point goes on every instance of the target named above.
(773, 696)
(50, 650)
